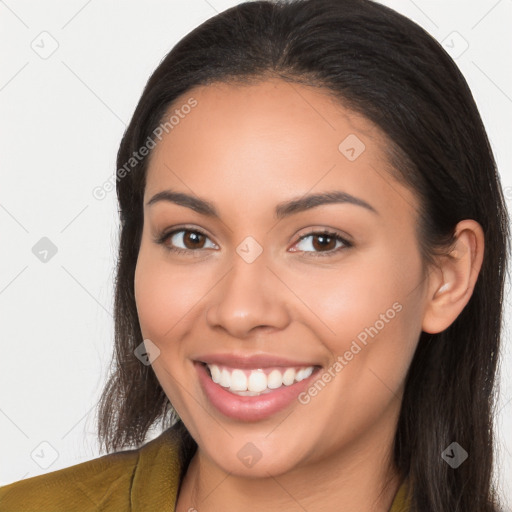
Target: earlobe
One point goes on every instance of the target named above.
(451, 287)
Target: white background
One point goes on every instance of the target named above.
(62, 119)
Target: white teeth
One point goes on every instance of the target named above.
(274, 379)
(306, 372)
(239, 381)
(255, 382)
(214, 369)
(288, 377)
(225, 378)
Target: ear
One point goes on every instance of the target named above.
(452, 282)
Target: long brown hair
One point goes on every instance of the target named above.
(382, 65)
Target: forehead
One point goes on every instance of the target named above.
(267, 140)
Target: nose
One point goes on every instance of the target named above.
(249, 298)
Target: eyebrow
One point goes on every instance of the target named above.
(282, 210)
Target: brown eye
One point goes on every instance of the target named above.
(185, 241)
(322, 243)
(193, 240)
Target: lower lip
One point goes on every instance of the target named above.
(250, 408)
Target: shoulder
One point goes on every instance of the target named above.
(86, 483)
(117, 481)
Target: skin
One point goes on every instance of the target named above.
(247, 148)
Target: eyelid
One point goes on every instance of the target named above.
(310, 232)
(166, 233)
(330, 233)
(319, 229)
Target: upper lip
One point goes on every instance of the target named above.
(251, 361)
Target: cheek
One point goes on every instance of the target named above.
(369, 309)
(164, 293)
(353, 296)
(163, 296)
(371, 315)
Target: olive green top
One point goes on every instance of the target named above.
(146, 478)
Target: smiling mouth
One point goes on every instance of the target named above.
(258, 381)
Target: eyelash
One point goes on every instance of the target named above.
(162, 239)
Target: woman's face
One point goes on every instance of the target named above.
(255, 277)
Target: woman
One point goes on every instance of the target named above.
(310, 277)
